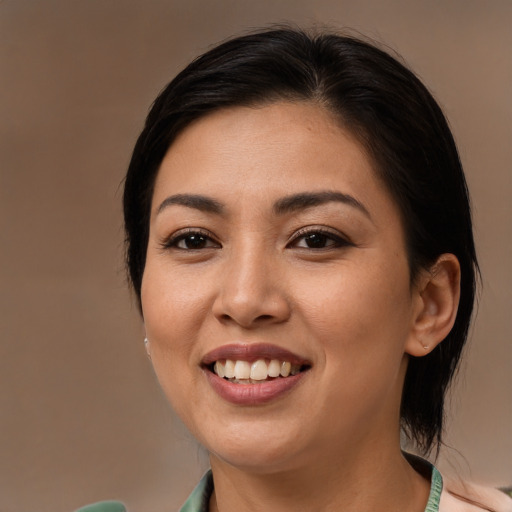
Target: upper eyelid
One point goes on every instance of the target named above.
(319, 229)
(169, 240)
(314, 229)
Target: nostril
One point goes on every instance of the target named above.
(259, 319)
(265, 317)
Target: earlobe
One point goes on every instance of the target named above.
(437, 299)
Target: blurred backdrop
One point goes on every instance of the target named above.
(81, 415)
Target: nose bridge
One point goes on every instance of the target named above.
(251, 292)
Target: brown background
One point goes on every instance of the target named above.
(82, 418)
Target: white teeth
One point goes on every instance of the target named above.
(259, 370)
(285, 368)
(242, 370)
(219, 369)
(274, 368)
(229, 369)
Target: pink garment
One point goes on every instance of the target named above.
(460, 496)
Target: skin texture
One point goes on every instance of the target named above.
(348, 307)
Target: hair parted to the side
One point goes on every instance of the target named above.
(393, 116)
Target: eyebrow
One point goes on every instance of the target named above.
(198, 202)
(304, 200)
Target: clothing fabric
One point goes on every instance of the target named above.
(445, 496)
(104, 506)
(199, 499)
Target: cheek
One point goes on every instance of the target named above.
(173, 309)
(361, 322)
(170, 315)
(363, 295)
(361, 315)
(171, 302)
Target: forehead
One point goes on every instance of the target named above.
(265, 152)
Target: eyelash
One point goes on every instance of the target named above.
(337, 240)
(333, 240)
(182, 235)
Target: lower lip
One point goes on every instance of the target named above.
(253, 394)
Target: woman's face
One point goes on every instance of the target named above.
(274, 245)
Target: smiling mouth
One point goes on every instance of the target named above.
(256, 372)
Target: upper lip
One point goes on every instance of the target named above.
(251, 352)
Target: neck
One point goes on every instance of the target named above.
(375, 480)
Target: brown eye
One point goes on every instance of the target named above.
(193, 241)
(316, 239)
(190, 241)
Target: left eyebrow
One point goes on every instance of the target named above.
(305, 200)
(195, 201)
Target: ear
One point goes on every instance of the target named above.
(436, 299)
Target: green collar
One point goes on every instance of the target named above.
(199, 499)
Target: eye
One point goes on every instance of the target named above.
(190, 240)
(318, 239)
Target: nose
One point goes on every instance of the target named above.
(250, 291)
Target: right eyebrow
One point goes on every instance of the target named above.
(305, 200)
(198, 202)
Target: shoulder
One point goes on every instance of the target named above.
(455, 495)
(460, 496)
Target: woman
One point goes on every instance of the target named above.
(299, 240)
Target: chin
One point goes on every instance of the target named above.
(267, 448)
(254, 460)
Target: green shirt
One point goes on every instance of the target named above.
(199, 499)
